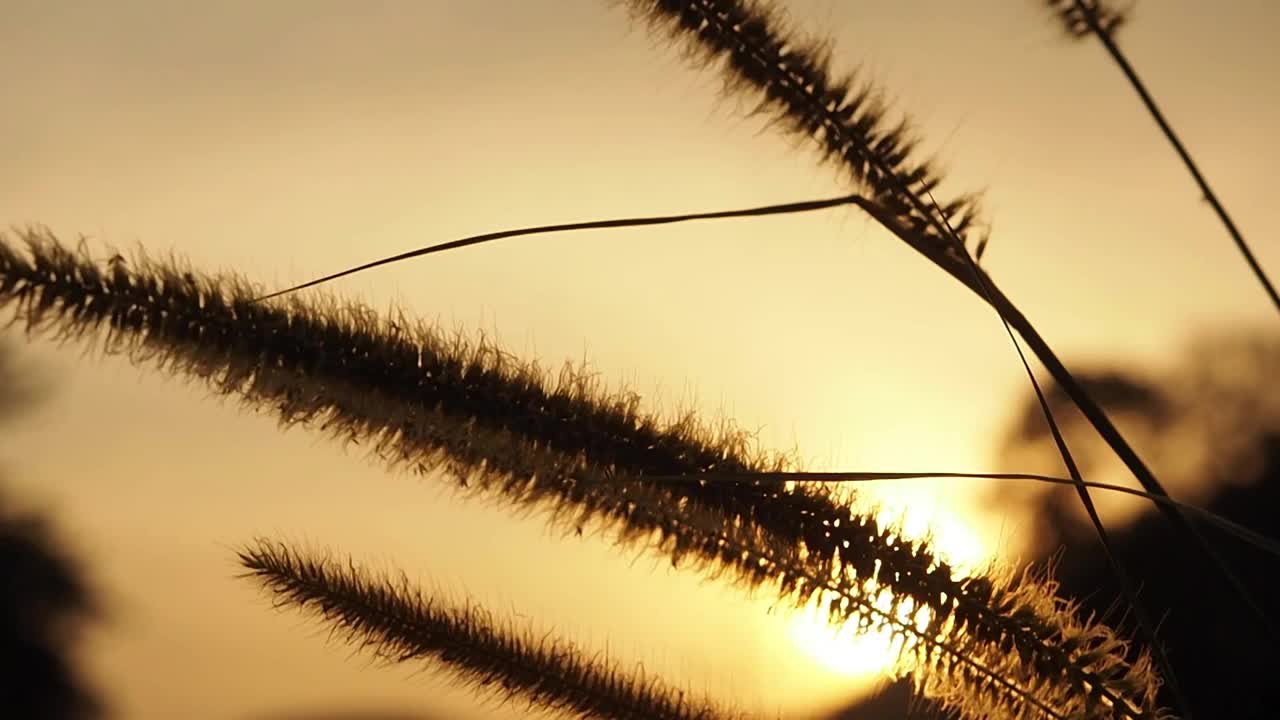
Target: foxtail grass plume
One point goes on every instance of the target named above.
(792, 81)
(992, 644)
(397, 622)
(1076, 16)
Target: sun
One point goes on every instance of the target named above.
(844, 653)
(847, 653)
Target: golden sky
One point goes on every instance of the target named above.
(293, 138)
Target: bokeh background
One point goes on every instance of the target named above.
(289, 139)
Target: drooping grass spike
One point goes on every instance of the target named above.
(567, 447)
(399, 623)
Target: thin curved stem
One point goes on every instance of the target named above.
(1245, 534)
(780, 209)
(1077, 480)
(991, 293)
(1091, 19)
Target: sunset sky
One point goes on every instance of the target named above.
(289, 139)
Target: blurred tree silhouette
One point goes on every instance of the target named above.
(1206, 423)
(1213, 423)
(44, 602)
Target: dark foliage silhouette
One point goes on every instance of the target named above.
(1226, 662)
(1222, 400)
(44, 603)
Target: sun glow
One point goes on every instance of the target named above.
(842, 652)
(950, 536)
(848, 653)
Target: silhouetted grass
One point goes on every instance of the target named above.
(988, 642)
(398, 622)
(1082, 18)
